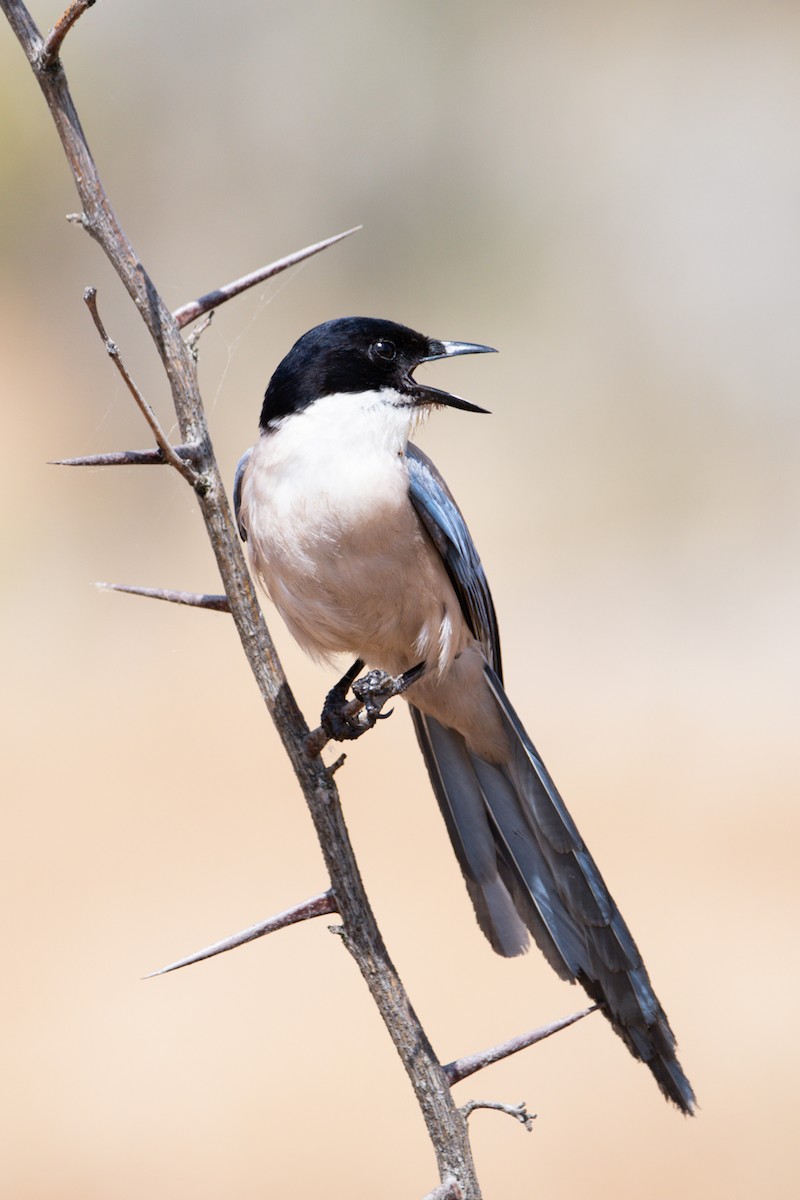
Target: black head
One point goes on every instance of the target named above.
(359, 354)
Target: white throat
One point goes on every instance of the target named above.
(350, 425)
(338, 464)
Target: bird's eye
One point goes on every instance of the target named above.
(383, 350)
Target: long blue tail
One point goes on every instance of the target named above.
(526, 867)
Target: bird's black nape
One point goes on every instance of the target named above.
(354, 355)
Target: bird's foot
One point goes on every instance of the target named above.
(340, 717)
(344, 720)
(376, 687)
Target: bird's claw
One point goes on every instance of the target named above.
(372, 690)
(340, 724)
(376, 687)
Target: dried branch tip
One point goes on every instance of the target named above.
(518, 1111)
(318, 906)
(193, 340)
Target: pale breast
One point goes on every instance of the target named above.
(336, 543)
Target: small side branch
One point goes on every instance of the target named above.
(318, 906)
(448, 1189)
(193, 340)
(216, 603)
(195, 308)
(128, 458)
(183, 468)
(461, 1068)
(518, 1111)
(55, 38)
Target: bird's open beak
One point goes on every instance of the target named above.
(436, 350)
(451, 349)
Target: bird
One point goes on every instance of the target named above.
(357, 540)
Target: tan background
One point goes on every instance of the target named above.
(609, 193)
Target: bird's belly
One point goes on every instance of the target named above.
(343, 594)
(357, 576)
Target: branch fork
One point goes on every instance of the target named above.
(51, 47)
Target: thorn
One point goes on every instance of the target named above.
(318, 906)
(128, 458)
(196, 308)
(460, 1068)
(190, 599)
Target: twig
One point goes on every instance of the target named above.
(55, 38)
(127, 458)
(448, 1189)
(461, 1068)
(193, 340)
(195, 308)
(163, 442)
(318, 906)
(518, 1111)
(191, 599)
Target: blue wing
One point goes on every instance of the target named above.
(443, 520)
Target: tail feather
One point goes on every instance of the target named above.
(461, 802)
(551, 923)
(523, 860)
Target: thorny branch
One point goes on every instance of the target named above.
(446, 1126)
(194, 458)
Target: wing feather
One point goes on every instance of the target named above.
(442, 518)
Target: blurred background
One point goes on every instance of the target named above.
(607, 192)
